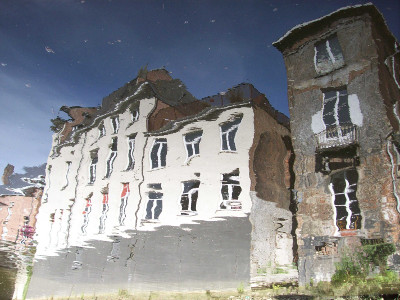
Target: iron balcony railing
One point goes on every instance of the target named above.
(338, 136)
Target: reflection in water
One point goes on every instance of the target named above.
(77, 263)
(160, 200)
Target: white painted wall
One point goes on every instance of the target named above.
(65, 230)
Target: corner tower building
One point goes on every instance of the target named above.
(343, 90)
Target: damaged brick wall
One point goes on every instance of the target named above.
(273, 246)
(336, 210)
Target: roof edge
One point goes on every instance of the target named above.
(301, 30)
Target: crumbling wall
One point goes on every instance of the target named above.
(366, 79)
(273, 246)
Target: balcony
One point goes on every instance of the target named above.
(337, 137)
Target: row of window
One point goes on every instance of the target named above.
(230, 191)
(115, 123)
(158, 153)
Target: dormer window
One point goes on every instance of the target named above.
(115, 124)
(328, 55)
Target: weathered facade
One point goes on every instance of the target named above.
(161, 183)
(343, 90)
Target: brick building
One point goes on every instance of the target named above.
(343, 90)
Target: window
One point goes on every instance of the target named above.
(102, 130)
(66, 174)
(111, 157)
(228, 133)
(154, 205)
(115, 124)
(124, 202)
(328, 55)
(189, 197)
(192, 143)
(135, 115)
(343, 187)
(86, 212)
(230, 191)
(92, 168)
(104, 212)
(134, 109)
(336, 110)
(158, 154)
(131, 148)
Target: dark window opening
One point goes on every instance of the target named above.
(111, 157)
(328, 55)
(158, 153)
(189, 197)
(131, 148)
(115, 124)
(93, 164)
(154, 205)
(230, 191)
(330, 160)
(336, 111)
(344, 189)
(124, 202)
(228, 133)
(102, 130)
(192, 143)
(104, 212)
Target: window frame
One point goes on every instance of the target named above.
(331, 61)
(94, 159)
(111, 158)
(131, 155)
(115, 127)
(191, 203)
(102, 130)
(161, 161)
(227, 144)
(231, 182)
(193, 145)
(154, 201)
(348, 189)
